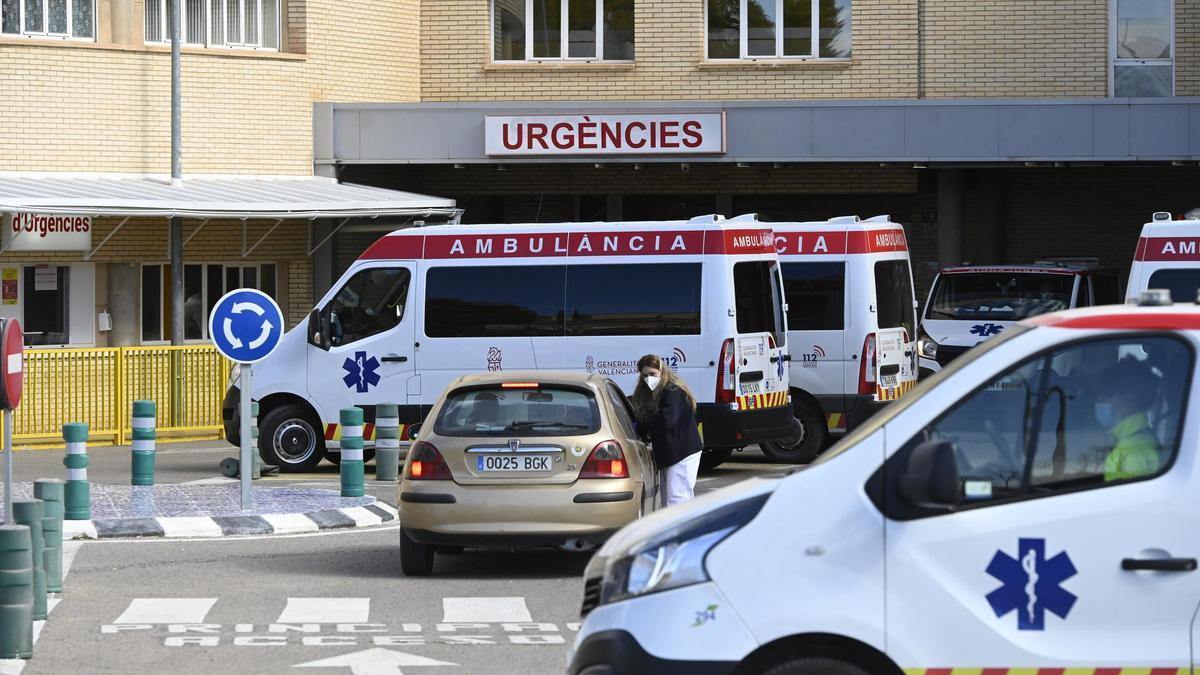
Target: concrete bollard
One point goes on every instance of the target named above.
(16, 592)
(50, 491)
(387, 441)
(30, 512)
(352, 452)
(77, 495)
(144, 420)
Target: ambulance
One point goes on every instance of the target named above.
(1167, 256)
(972, 303)
(424, 306)
(852, 325)
(1032, 508)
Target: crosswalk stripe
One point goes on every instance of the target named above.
(485, 610)
(326, 610)
(290, 523)
(166, 610)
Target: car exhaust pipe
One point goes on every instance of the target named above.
(575, 544)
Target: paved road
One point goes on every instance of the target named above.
(270, 604)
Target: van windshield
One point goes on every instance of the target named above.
(758, 292)
(894, 296)
(999, 296)
(494, 410)
(1184, 284)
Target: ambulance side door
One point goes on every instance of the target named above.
(815, 291)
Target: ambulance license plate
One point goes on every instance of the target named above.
(502, 463)
(888, 381)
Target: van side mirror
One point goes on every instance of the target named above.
(931, 477)
(318, 334)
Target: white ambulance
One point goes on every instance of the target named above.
(1033, 506)
(1168, 256)
(424, 306)
(852, 325)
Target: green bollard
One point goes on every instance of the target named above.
(30, 512)
(77, 495)
(352, 452)
(50, 491)
(144, 418)
(16, 592)
(387, 441)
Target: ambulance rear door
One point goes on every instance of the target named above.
(895, 312)
(760, 346)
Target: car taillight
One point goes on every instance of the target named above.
(725, 373)
(426, 463)
(866, 369)
(606, 461)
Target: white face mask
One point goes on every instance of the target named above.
(652, 381)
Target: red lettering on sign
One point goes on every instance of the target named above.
(513, 145)
(629, 135)
(557, 244)
(537, 132)
(691, 132)
(560, 136)
(740, 242)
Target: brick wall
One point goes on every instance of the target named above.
(1187, 47)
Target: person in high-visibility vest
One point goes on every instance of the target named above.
(1127, 391)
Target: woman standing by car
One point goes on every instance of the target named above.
(666, 410)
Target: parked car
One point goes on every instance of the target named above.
(523, 459)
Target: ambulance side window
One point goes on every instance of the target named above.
(1183, 283)
(816, 295)
(371, 302)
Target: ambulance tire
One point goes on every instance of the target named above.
(811, 434)
(416, 560)
(295, 430)
(711, 458)
(816, 665)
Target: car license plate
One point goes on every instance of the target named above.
(888, 381)
(501, 463)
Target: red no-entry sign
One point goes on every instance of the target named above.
(12, 366)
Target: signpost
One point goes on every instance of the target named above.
(245, 326)
(12, 367)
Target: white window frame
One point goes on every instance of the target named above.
(222, 10)
(563, 37)
(164, 288)
(1114, 62)
(744, 37)
(45, 34)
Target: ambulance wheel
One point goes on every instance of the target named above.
(335, 458)
(288, 438)
(416, 560)
(810, 439)
(818, 665)
(711, 458)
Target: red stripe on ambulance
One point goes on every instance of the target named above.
(1167, 249)
(840, 242)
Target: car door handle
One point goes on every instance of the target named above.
(395, 359)
(1159, 564)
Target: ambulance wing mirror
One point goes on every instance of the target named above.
(931, 477)
(318, 331)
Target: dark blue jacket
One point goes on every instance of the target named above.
(673, 432)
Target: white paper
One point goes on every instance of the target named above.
(45, 278)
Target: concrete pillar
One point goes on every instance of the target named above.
(951, 199)
(990, 223)
(124, 284)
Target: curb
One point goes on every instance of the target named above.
(207, 527)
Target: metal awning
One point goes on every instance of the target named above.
(210, 197)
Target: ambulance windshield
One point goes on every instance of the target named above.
(999, 296)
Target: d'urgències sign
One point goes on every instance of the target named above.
(46, 232)
(632, 134)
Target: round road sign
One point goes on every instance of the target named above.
(12, 365)
(245, 325)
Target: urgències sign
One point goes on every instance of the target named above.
(633, 134)
(46, 232)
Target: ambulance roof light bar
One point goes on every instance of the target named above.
(844, 220)
(707, 218)
(1160, 216)
(885, 218)
(1155, 297)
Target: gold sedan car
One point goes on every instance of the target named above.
(523, 459)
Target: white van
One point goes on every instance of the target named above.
(852, 325)
(424, 306)
(988, 522)
(970, 304)
(1168, 256)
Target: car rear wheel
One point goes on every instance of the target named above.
(711, 458)
(416, 559)
(818, 665)
(289, 439)
(810, 440)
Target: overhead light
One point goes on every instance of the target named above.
(597, 165)
(777, 165)
(502, 167)
(637, 166)
(743, 165)
(460, 166)
(919, 165)
(685, 167)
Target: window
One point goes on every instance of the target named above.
(816, 295)
(894, 296)
(613, 299)
(45, 305)
(999, 296)
(493, 411)
(758, 297)
(771, 29)
(1143, 48)
(517, 301)
(203, 286)
(64, 19)
(1085, 415)
(1184, 284)
(624, 411)
(242, 24)
(370, 303)
(535, 30)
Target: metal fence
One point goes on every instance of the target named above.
(98, 386)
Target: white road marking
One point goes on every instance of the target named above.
(166, 610)
(211, 481)
(374, 661)
(189, 527)
(210, 542)
(485, 610)
(326, 610)
(77, 529)
(290, 523)
(363, 517)
(70, 549)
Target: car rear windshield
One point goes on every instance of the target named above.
(1183, 283)
(894, 296)
(759, 295)
(999, 296)
(527, 411)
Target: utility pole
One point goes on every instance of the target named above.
(176, 227)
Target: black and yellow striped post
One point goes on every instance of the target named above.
(16, 592)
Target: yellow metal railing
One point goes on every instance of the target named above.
(98, 386)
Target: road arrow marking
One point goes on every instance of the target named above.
(374, 661)
(229, 336)
(262, 337)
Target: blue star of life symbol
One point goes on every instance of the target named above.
(360, 372)
(1032, 584)
(986, 329)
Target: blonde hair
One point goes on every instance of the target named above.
(645, 401)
